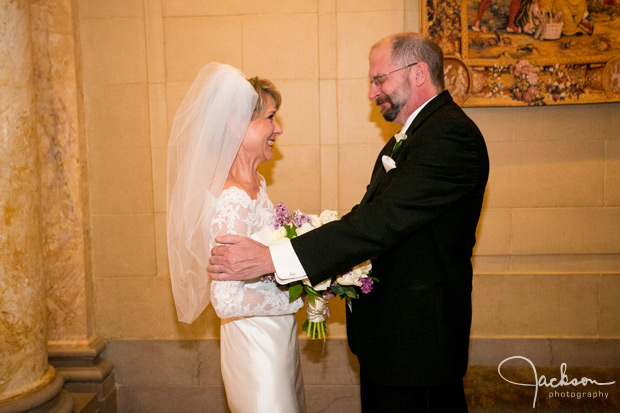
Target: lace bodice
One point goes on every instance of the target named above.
(237, 213)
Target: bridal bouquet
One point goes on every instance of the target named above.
(291, 224)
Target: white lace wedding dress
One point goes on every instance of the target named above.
(259, 349)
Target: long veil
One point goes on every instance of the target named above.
(207, 131)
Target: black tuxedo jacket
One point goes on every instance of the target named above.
(417, 222)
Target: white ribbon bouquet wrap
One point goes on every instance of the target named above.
(291, 224)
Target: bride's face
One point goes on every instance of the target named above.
(261, 133)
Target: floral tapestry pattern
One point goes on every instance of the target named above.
(527, 52)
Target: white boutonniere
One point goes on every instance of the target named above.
(388, 163)
(400, 137)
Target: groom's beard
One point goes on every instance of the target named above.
(397, 101)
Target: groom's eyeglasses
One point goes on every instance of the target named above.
(378, 80)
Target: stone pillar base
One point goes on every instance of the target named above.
(47, 398)
(84, 371)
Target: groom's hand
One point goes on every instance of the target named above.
(241, 258)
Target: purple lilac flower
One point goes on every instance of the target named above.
(300, 218)
(283, 217)
(366, 285)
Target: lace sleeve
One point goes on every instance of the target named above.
(258, 297)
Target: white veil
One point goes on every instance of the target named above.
(206, 134)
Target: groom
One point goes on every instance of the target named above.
(417, 221)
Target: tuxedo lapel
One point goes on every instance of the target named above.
(378, 172)
(435, 103)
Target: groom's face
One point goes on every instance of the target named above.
(393, 93)
(393, 102)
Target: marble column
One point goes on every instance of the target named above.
(27, 381)
(63, 191)
(73, 347)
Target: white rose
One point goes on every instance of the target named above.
(316, 220)
(350, 278)
(319, 287)
(353, 277)
(364, 268)
(304, 228)
(279, 234)
(328, 216)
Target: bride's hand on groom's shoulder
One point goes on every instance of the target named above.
(239, 258)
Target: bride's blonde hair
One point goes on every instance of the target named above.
(264, 88)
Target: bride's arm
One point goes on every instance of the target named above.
(245, 298)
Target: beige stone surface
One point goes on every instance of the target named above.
(609, 306)
(175, 92)
(142, 308)
(566, 263)
(192, 42)
(546, 264)
(612, 173)
(357, 32)
(577, 122)
(491, 264)
(117, 116)
(329, 184)
(112, 8)
(369, 5)
(114, 50)
(159, 168)
(494, 233)
(355, 163)
(281, 47)
(328, 112)
(161, 245)
(328, 51)
(235, 7)
(155, 49)
(299, 114)
(546, 174)
(296, 190)
(121, 181)
(158, 116)
(327, 6)
(566, 231)
(412, 16)
(496, 124)
(535, 305)
(124, 245)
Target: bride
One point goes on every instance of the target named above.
(224, 128)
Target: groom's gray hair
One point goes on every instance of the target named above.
(410, 47)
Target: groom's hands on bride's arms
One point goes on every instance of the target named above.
(241, 258)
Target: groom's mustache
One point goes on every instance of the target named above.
(380, 101)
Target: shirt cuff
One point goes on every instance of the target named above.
(288, 267)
